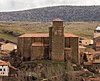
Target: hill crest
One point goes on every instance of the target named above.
(66, 13)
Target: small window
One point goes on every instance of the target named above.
(80, 41)
(0, 69)
(4, 69)
(96, 67)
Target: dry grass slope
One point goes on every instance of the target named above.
(10, 30)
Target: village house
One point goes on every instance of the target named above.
(87, 58)
(91, 60)
(85, 41)
(55, 45)
(96, 56)
(96, 61)
(6, 70)
(8, 46)
(97, 39)
(6, 49)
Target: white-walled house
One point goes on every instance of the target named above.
(7, 71)
(4, 68)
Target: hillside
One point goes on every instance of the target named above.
(67, 13)
(10, 30)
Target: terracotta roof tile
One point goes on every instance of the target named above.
(69, 35)
(35, 35)
(46, 35)
(39, 44)
(88, 53)
(3, 62)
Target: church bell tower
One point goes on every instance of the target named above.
(56, 33)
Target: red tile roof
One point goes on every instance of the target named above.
(35, 35)
(88, 53)
(3, 63)
(46, 35)
(69, 35)
(39, 44)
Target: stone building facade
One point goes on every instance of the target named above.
(97, 39)
(55, 45)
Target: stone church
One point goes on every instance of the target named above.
(55, 45)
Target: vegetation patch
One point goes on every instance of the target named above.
(10, 30)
